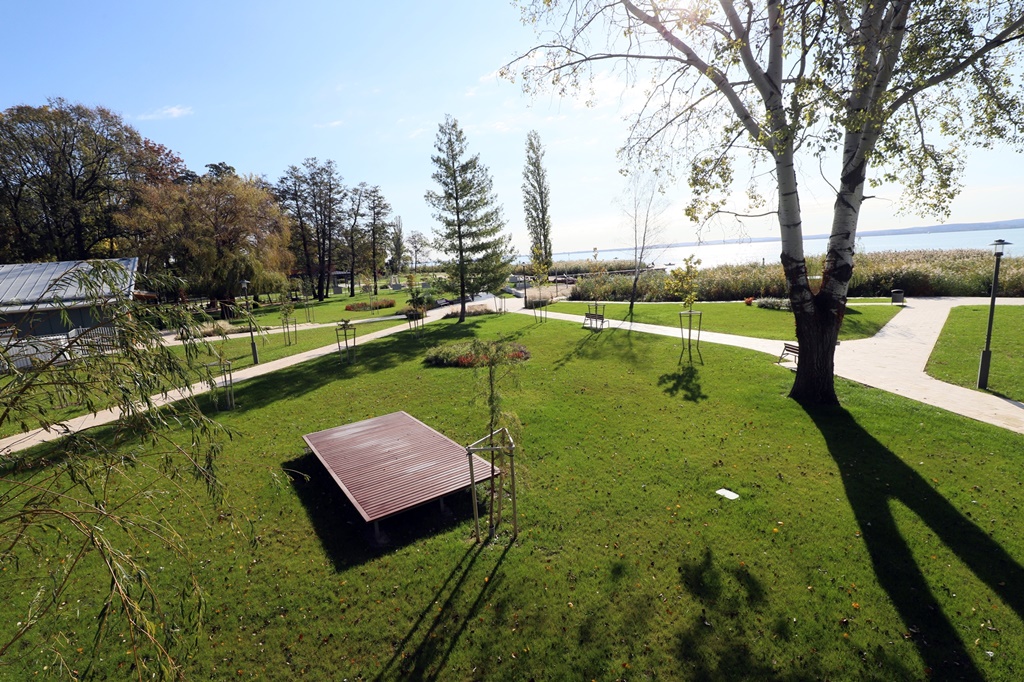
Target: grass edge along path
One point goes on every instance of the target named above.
(957, 353)
(739, 319)
(876, 541)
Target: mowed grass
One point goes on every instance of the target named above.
(331, 309)
(273, 345)
(957, 353)
(238, 351)
(741, 319)
(874, 542)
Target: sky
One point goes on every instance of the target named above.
(263, 85)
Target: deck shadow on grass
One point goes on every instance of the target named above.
(345, 537)
(874, 477)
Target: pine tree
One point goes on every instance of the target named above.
(471, 224)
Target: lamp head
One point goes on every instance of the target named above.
(999, 245)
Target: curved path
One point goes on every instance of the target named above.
(892, 360)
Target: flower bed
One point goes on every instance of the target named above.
(376, 304)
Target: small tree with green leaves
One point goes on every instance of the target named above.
(85, 506)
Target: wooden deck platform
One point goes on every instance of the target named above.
(392, 463)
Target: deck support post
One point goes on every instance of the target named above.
(472, 488)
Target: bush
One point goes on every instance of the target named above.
(472, 311)
(773, 303)
(465, 354)
(376, 304)
(650, 287)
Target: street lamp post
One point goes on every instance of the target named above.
(986, 355)
(252, 338)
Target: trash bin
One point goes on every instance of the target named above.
(897, 296)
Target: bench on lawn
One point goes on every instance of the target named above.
(594, 320)
(792, 350)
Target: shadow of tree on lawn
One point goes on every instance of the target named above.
(874, 477)
(685, 380)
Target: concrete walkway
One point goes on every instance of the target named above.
(892, 360)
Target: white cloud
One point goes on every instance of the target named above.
(330, 124)
(176, 111)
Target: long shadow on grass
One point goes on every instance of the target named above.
(427, 661)
(716, 644)
(874, 478)
(344, 536)
(375, 356)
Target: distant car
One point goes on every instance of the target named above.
(565, 279)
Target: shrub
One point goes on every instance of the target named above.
(537, 302)
(376, 304)
(650, 287)
(464, 354)
(773, 303)
(471, 311)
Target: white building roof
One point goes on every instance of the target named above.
(27, 286)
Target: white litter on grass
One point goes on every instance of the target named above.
(727, 494)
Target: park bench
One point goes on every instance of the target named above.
(594, 320)
(792, 350)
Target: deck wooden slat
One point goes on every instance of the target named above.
(391, 463)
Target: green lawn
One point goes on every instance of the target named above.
(738, 318)
(332, 309)
(875, 542)
(272, 345)
(957, 353)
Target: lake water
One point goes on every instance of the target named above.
(722, 252)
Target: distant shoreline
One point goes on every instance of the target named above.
(1015, 224)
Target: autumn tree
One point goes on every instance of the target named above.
(419, 247)
(292, 194)
(469, 217)
(891, 92)
(397, 259)
(66, 172)
(644, 205)
(354, 230)
(215, 230)
(377, 228)
(537, 199)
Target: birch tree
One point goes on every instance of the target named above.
(889, 92)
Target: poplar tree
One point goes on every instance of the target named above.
(536, 199)
(469, 216)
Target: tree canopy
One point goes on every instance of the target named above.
(537, 199)
(469, 217)
(67, 172)
(889, 92)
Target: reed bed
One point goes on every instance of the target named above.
(960, 272)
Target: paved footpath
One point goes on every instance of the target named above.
(892, 360)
